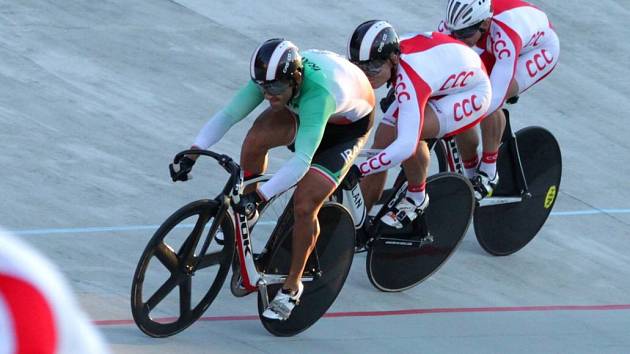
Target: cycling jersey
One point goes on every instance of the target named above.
(333, 91)
(438, 70)
(38, 313)
(520, 44)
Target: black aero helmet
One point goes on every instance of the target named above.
(275, 59)
(371, 40)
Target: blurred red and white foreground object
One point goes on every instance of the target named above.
(38, 311)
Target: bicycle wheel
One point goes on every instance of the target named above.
(161, 270)
(401, 260)
(504, 229)
(330, 263)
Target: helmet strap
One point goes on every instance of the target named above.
(294, 86)
(295, 91)
(392, 77)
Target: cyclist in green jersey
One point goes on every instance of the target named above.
(320, 105)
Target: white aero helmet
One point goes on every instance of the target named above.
(465, 13)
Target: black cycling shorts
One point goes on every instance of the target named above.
(339, 147)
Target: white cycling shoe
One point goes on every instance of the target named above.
(405, 212)
(483, 185)
(219, 238)
(283, 303)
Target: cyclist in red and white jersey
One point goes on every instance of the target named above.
(441, 89)
(38, 313)
(519, 47)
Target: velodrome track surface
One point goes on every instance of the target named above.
(96, 97)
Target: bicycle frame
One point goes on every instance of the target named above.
(455, 164)
(252, 278)
(453, 158)
(230, 195)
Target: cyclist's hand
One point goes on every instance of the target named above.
(388, 100)
(352, 178)
(179, 171)
(248, 204)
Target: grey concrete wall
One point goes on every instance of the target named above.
(97, 96)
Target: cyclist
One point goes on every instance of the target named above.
(519, 47)
(322, 106)
(440, 89)
(38, 312)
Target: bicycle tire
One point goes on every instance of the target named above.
(542, 164)
(181, 273)
(334, 252)
(393, 267)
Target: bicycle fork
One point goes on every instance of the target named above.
(516, 158)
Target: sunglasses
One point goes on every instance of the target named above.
(274, 88)
(467, 32)
(372, 67)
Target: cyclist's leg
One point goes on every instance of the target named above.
(271, 129)
(467, 143)
(537, 64)
(310, 194)
(531, 67)
(416, 169)
(417, 166)
(463, 110)
(492, 129)
(460, 112)
(328, 168)
(372, 185)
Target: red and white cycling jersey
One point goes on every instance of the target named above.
(442, 72)
(38, 313)
(520, 45)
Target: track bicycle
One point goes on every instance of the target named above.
(401, 259)
(530, 170)
(195, 256)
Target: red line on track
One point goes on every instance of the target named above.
(399, 313)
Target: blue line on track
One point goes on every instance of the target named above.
(590, 212)
(82, 230)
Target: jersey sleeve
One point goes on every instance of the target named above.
(314, 113)
(243, 103)
(505, 47)
(412, 94)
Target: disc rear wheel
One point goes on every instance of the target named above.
(506, 228)
(329, 263)
(401, 259)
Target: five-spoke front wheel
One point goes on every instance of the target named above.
(174, 283)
